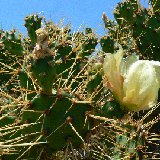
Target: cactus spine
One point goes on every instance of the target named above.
(60, 106)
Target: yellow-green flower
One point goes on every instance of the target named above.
(134, 83)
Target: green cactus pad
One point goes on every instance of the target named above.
(55, 115)
(12, 43)
(26, 84)
(129, 144)
(107, 44)
(43, 72)
(56, 123)
(32, 23)
(112, 109)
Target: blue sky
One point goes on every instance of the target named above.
(86, 12)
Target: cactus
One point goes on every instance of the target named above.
(32, 23)
(122, 139)
(59, 115)
(12, 43)
(107, 44)
(11, 55)
(155, 6)
(137, 27)
(64, 104)
(94, 78)
(135, 30)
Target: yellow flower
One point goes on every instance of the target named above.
(134, 83)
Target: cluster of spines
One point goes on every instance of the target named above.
(41, 119)
(61, 98)
(138, 25)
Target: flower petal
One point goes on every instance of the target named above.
(156, 65)
(112, 76)
(126, 63)
(140, 87)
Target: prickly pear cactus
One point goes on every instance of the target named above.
(69, 99)
(32, 23)
(137, 29)
(59, 110)
(11, 55)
